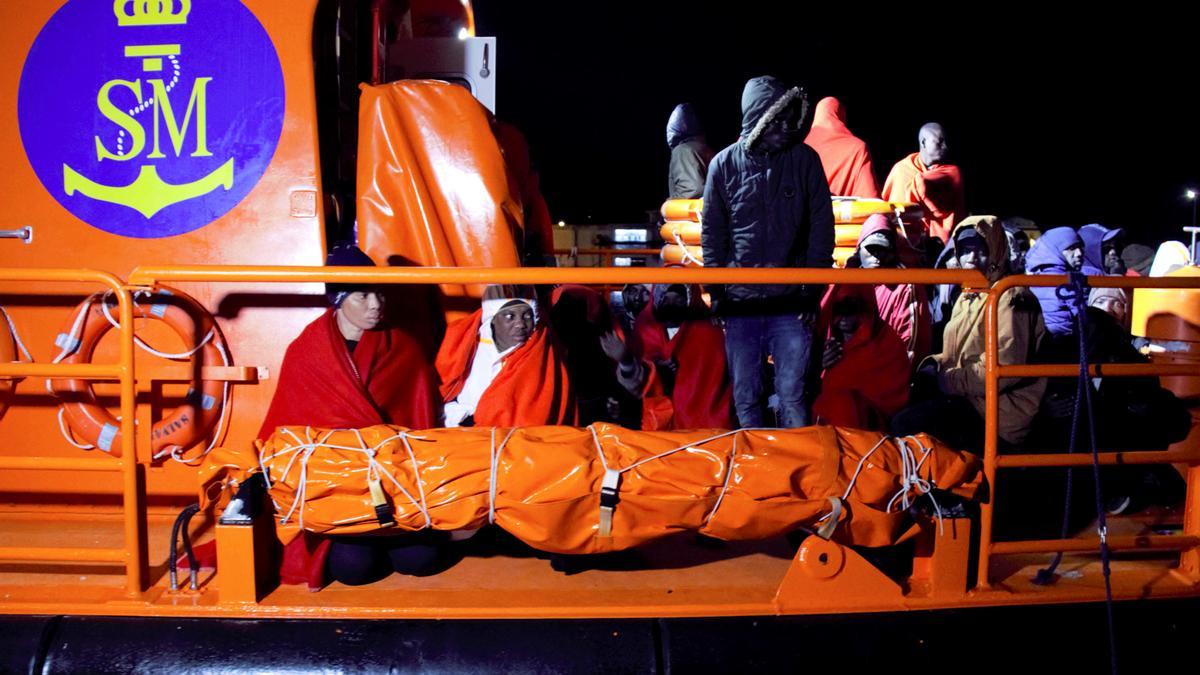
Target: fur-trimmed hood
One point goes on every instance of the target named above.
(765, 99)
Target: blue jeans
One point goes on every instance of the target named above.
(748, 341)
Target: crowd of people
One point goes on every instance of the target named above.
(900, 358)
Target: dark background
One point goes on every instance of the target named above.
(1084, 117)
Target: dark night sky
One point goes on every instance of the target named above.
(1063, 120)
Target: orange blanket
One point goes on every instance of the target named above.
(846, 159)
(939, 190)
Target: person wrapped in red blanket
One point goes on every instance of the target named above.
(500, 366)
(866, 365)
(677, 363)
(845, 157)
(925, 178)
(348, 370)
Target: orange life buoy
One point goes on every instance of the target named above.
(682, 209)
(683, 255)
(687, 232)
(846, 234)
(185, 426)
(8, 354)
(848, 210)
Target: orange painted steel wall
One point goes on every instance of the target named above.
(279, 222)
(432, 183)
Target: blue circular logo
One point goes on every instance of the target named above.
(151, 118)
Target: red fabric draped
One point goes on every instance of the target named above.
(702, 397)
(532, 387)
(387, 380)
(846, 159)
(939, 190)
(524, 181)
(870, 382)
(904, 307)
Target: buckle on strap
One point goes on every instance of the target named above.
(609, 496)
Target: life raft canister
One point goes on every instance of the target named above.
(680, 232)
(683, 255)
(187, 424)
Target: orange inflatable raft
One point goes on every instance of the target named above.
(599, 488)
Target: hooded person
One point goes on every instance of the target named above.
(925, 178)
(1018, 244)
(1137, 258)
(903, 307)
(500, 366)
(845, 157)
(1102, 248)
(767, 204)
(582, 321)
(1058, 251)
(690, 153)
(348, 370)
(678, 366)
(951, 385)
(866, 365)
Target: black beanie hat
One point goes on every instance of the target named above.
(346, 255)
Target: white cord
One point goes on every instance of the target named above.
(495, 464)
(147, 348)
(16, 335)
(687, 255)
(62, 427)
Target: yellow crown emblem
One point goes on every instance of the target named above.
(151, 12)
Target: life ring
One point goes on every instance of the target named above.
(682, 209)
(854, 211)
(846, 234)
(674, 231)
(186, 425)
(8, 354)
(692, 256)
(841, 254)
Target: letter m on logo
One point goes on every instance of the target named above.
(197, 103)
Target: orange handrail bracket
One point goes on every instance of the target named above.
(942, 558)
(826, 574)
(134, 554)
(244, 559)
(1188, 543)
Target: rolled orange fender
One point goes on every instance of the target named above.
(682, 209)
(841, 254)
(683, 255)
(846, 234)
(852, 210)
(183, 427)
(676, 231)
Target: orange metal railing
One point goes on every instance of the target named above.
(134, 553)
(1188, 542)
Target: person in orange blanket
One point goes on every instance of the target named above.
(500, 366)
(846, 159)
(925, 178)
(866, 366)
(904, 307)
(348, 370)
(678, 364)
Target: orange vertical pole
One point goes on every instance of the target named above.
(1189, 560)
(135, 548)
(990, 434)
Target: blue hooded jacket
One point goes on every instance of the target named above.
(1094, 237)
(1046, 257)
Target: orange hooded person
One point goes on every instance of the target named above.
(924, 178)
(500, 366)
(845, 157)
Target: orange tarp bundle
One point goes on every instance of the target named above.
(433, 187)
(548, 481)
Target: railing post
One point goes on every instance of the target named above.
(133, 487)
(991, 428)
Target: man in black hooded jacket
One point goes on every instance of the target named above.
(690, 153)
(767, 204)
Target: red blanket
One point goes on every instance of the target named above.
(701, 397)
(904, 307)
(532, 387)
(939, 190)
(870, 382)
(386, 380)
(846, 159)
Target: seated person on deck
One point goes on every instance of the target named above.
(865, 366)
(949, 391)
(346, 370)
(500, 366)
(676, 364)
(904, 307)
